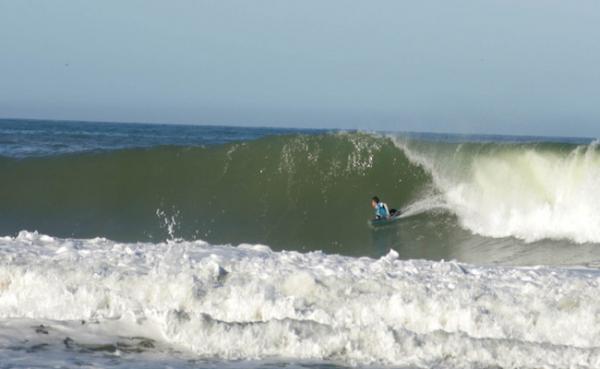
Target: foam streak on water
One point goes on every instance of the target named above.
(248, 302)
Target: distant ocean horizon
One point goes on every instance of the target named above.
(451, 135)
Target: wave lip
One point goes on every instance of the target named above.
(249, 302)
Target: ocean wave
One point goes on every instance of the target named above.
(249, 302)
(312, 192)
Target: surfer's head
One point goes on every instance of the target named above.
(374, 201)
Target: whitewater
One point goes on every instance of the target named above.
(249, 302)
(514, 190)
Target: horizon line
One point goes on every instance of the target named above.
(295, 128)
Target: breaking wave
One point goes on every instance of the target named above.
(311, 192)
(527, 191)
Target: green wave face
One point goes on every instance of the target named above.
(302, 192)
(491, 202)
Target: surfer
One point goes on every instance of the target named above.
(381, 208)
(382, 212)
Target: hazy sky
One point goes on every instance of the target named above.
(520, 67)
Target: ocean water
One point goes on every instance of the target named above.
(132, 245)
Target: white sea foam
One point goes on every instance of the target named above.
(517, 191)
(248, 302)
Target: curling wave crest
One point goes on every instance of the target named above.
(528, 191)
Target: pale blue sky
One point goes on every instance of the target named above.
(509, 67)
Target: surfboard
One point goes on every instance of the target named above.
(386, 221)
